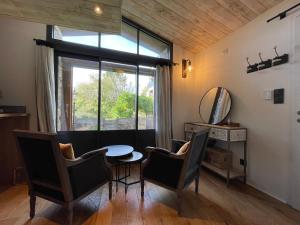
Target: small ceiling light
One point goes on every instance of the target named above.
(98, 10)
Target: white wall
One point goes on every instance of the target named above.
(185, 103)
(224, 64)
(17, 66)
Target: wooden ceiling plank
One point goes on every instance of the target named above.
(269, 3)
(203, 17)
(221, 14)
(166, 33)
(139, 9)
(193, 19)
(254, 5)
(160, 13)
(237, 8)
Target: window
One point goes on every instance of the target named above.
(77, 106)
(118, 96)
(79, 100)
(100, 88)
(76, 36)
(127, 41)
(146, 97)
(153, 47)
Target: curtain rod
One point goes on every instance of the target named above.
(282, 15)
(43, 42)
(51, 45)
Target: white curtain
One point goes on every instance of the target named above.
(45, 89)
(163, 118)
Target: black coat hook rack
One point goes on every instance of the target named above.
(279, 59)
(264, 64)
(251, 67)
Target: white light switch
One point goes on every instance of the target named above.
(268, 94)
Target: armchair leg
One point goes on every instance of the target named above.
(70, 214)
(179, 202)
(197, 184)
(142, 187)
(110, 189)
(32, 206)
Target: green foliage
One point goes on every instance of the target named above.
(146, 104)
(117, 99)
(124, 106)
(86, 99)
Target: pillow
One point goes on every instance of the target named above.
(184, 148)
(67, 151)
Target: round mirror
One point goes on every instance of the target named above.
(215, 105)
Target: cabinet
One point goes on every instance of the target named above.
(228, 135)
(9, 157)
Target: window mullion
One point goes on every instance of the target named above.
(99, 95)
(137, 99)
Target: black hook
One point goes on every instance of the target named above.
(275, 49)
(259, 54)
(248, 61)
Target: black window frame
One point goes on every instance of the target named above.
(86, 52)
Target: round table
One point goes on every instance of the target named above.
(123, 155)
(134, 157)
(117, 151)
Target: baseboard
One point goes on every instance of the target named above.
(267, 193)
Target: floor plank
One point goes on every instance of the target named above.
(214, 205)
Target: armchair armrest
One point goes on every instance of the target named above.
(88, 171)
(85, 157)
(163, 151)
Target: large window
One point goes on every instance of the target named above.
(105, 81)
(131, 39)
(118, 96)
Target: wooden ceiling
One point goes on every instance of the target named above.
(78, 14)
(194, 24)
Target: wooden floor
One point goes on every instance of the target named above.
(214, 205)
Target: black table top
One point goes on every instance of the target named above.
(118, 150)
(133, 157)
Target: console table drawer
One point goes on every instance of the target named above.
(192, 128)
(238, 135)
(219, 134)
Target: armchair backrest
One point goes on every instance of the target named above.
(194, 157)
(44, 164)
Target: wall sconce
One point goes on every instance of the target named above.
(186, 66)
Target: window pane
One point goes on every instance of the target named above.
(77, 106)
(153, 47)
(76, 36)
(126, 42)
(146, 97)
(118, 96)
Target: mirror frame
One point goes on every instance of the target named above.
(226, 114)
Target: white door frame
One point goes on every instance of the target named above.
(294, 164)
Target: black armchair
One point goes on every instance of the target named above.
(175, 172)
(54, 178)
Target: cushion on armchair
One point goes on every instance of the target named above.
(184, 148)
(67, 150)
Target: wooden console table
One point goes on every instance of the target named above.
(227, 134)
(9, 157)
